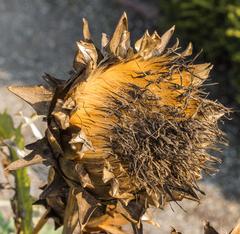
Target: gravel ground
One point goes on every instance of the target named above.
(39, 36)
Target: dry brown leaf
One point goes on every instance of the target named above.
(86, 207)
(39, 97)
(173, 231)
(236, 230)
(71, 213)
(41, 222)
(40, 154)
(208, 229)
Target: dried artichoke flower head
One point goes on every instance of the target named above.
(129, 129)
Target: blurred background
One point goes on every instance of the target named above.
(38, 36)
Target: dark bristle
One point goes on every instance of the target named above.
(160, 151)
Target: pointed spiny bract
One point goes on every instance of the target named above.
(39, 97)
(117, 35)
(86, 31)
(129, 129)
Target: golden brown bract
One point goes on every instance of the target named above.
(130, 128)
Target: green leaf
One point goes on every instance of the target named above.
(6, 126)
(22, 201)
(5, 226)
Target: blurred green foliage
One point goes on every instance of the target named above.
(6, 227)
(214, 26)
(22, 201)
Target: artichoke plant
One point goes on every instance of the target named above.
(131, 128)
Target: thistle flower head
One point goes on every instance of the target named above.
(130, 128)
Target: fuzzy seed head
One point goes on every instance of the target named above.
(130, 128)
